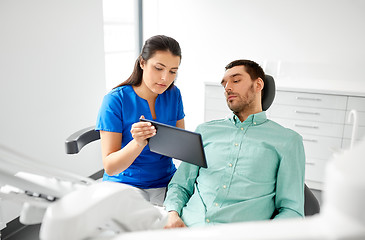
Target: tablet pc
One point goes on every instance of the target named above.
(177, 143)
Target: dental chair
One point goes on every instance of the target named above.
(74, 207)
(75, 142)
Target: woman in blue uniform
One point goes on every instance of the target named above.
(149, 92)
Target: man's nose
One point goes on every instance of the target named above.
(228, 87)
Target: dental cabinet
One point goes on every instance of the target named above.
(321, 117)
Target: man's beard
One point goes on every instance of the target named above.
(244, 103)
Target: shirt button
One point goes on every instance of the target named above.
(216, 204)
(254, 123)
(230, 165)
(236, 144)
(242, 129)
(224, 186)
(207, 220)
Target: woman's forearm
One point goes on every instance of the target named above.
(119, 161)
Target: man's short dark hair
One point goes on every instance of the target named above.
(252, 68)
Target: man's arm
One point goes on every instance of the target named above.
(180, 189)
(289, 199)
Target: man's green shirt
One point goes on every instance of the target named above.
(254, 167)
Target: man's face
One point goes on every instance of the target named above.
(239, 89)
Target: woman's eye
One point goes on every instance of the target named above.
(172, 72)
(158, 69)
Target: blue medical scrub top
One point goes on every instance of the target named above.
(122, 107)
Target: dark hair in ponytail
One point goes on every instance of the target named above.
(153, 44)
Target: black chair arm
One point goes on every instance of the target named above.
(79, 139)
(311, 204)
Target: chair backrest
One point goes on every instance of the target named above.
(269, 91)
(79, 139)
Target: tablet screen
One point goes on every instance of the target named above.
(177, 143)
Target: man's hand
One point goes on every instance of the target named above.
(174, 221)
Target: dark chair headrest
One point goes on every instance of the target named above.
(269, 92)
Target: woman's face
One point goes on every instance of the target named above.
(159, 71)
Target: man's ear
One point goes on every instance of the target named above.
(259, 84)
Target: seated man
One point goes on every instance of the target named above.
(255, 166)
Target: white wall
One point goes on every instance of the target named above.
(318, 43)
(52, 79)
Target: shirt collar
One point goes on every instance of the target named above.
(255, 119)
